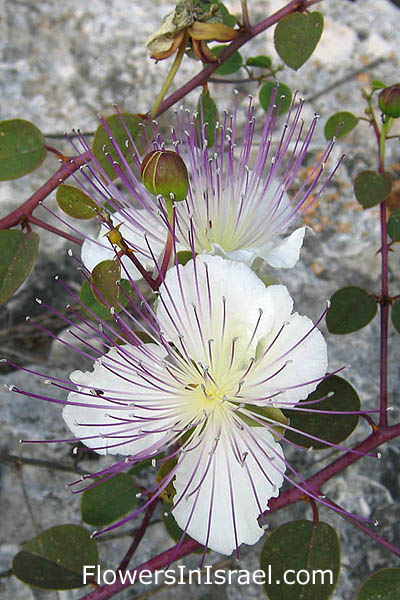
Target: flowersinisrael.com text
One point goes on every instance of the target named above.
(181, 575)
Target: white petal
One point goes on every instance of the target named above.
(223, 503)
(286, 254)
(233, 284)
(294, 369)
(103, 425)
(246, 255)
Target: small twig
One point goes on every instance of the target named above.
(59, 232)
(6, 573)
(36, 462)
(171, 75)
(245, 14)
(27, 501)
(314, 511)
(138, 536)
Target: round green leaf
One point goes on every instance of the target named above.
(54, 560)
(261, 61)
(296, 37)
(103, 144)
(311, 551)
(231, 64)
(105, 279)
(207, 113)
(396, 315)
(329, 427)
(340, 124)
(87, 298)
(18, 252)
(372, 188)
(351, 309)
(22, 148)
(382, 585)
(75, 203)
(393, 226)
(109, 501)
(283, 97)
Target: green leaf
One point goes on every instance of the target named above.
(378, 85)
(227, 18)
(172, 526)
(352, 308)
(296, 37)
(102, 142)
(173, 529)
(382, 585)
(330, 427)
(261, 413)
(87, 298)
(340, 124)
(261, 61)
(372, 188)
(109, 501)
(393, 226)
(207, 113)
(54, 560)
(75, 203)
(184, 256)
(396, 315)
(231, 65)
(283, 97)
(105, 279)
(311, 551)
(22, 148)
(18, 252)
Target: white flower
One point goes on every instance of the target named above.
(228, 353)
(241, 201)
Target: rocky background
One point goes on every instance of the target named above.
(63, 62)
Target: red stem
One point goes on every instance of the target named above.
(384, 300)
(43, 225)
(138, 537)
(293, 495)
(22, 212)
(384, 304)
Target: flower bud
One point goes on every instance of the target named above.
(164, 172)
(389, 100)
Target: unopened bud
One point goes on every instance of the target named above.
(389, 100)
(164, 172)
